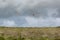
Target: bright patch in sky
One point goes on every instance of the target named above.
(8, 23)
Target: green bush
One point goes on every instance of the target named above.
(56, 39)
(21, 38)
(31, 38)
(2, 38)
(11, 38)
(44, 38)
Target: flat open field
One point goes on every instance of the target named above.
(30, 33)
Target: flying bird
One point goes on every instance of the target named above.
(33, 14)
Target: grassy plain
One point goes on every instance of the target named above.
(29, 33)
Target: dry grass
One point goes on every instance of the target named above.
(30, 32)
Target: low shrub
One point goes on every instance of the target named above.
(11, 38)
(2, 38)
(44, 38)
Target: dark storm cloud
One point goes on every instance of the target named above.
(28, 7)
(7, 12)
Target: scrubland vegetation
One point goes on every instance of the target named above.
(14, 33)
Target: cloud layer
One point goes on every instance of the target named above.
(30, 12)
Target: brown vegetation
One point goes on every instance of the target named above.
(31, 33)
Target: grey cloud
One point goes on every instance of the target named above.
(38, 8)
(19, 20)
(34, 8)
(16, 9)
(7, 12)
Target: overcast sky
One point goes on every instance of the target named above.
(30, 13)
